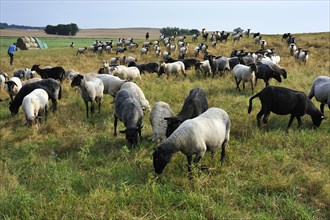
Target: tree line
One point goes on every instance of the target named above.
(170, 31)
(62, 29)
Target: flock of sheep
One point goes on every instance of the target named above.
(196, 128)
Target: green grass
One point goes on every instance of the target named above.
(74, 168)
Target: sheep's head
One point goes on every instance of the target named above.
(161, 158)
(132, 135)
(172, 124)
(35, 67)
(77, 80)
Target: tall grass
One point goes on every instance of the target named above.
(73, 168)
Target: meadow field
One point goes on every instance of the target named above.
(72, 167)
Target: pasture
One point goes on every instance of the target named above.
(74, 168)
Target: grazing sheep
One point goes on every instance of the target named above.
(126, 73)
(237, 37)
(32, 80)
(51, 86)
(207, 132)
(283, 101)
(265, 72)
(13, 85)
(233, 61)
(120, 50)
(275, 67)
(34, 104)
(321, 90)
(20, 74)
(114, 60)
(81, 50)
(54, 73)
(218, 64)
(263, 44)
(91, 91)
(166, 55)
(173, 68)
(144, 50)
(159, 112)
(128, 110)
(195, 104)
(111, 84)
(137, 91)
(243, 73)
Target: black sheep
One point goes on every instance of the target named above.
(51, 86)
(284, 101)
(265, 72)
(54, 73)
(152, 67)
(195, 104)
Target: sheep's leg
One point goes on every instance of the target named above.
(189, 159)
(92, 107)
(115, 126)
(86, 105)
(265, 118)
(290, 122)
(223, 151)
(243, 85)
(237, 84)
(322, 108)
(99, 99)
(46, 113)
(299, 122)
(259, 115)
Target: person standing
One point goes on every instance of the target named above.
(147, 36)
(11, 51)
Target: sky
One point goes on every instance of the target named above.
(268, 17)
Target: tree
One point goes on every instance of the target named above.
(62, 29)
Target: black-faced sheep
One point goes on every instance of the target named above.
(207, 132)
(128, 110)
(243, 73)
(91, 91)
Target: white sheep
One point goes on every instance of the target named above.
(13, 85)
(206, 132)
(91, 91)
(111, 84)
(243, 73)
(263, 44)
(137, 91)
(114, 60)
(126, 73)
(174, 68)
(303, 56)
(82, 50)
(144, 50)
(35, 104)
(321, 90)
(160, 111)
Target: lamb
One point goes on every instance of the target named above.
(160, 111)
(243, 73)
(207, 132)
(54, 73)
(137, 91)
(265, 72)
(275, 67)
(173, 68)
(283, 101)
(91, 91)
(128, 110)
(195, 104)
(321, 90)
(126, 73)
(51, 86)
(34, 104)
(81, 50)
(13, 85)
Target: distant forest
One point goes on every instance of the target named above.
(5, 25)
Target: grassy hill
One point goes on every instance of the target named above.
(74, 168)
